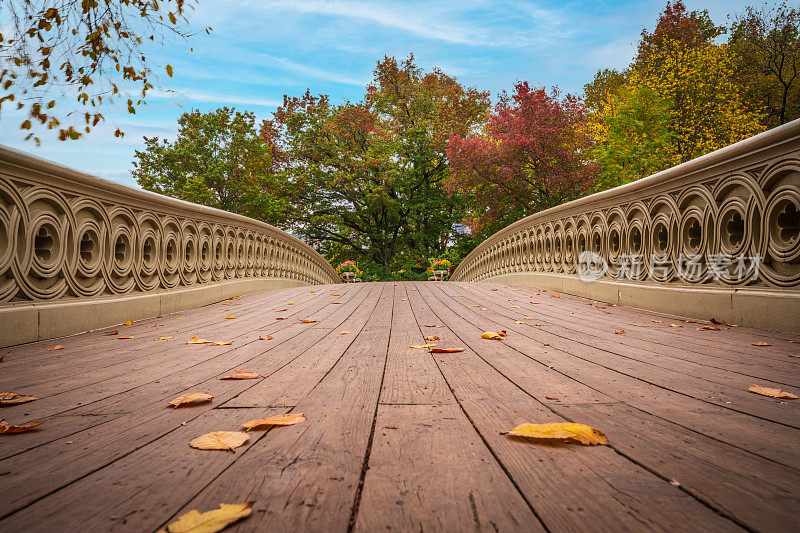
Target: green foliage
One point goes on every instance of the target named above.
(638, 138)
(218, 160)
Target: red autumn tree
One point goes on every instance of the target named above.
(533, 155)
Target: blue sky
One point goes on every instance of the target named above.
(260, 50)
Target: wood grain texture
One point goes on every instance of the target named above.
(401, 439)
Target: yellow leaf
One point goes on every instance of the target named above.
(12, 398)
(219, 440)
(560, 431)
(164, 338)
(514, 307)
(307, 321)
(191, 398)
(242, 374)
(422, 345)
(128, 323)
(195, 340)
(279, 420)
(229, 317)
(657, 321)
(181, 318)
(772, 393)
(491, 336)
(529, 318)
(210, 521)
(475, 305)
(221, 343)
(5, 427)
(519, 322)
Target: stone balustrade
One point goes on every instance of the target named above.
(716, 236)
(73, 246)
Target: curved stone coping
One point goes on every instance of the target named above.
(776, 310)
(65, 234)
(23, 322)
(712, 222)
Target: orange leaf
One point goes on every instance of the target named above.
(242, 374)
(279, 420)
(529, 318)
(519, 322)
(220, 440)
(230, 317)
(56, 347)
(164, 338)
(708, 328)
(760, 344)
(772, 393)
(307, 321)
(112, 332)
(5, 427)
(12, 398)
(491, 336)
(560, 431)
(221, 343)
(3, 356)
(128, 323)
(280, 310)
(432, 338)
(446, 350)
(291, 303)
(265, 338)
(195, 340)
(191, 398)
(620, 332)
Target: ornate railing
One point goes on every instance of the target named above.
(67, 236)
(729, 219)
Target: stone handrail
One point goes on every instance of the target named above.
(69, 238)
(720, 232)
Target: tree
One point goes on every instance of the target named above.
(533, 155)
(637, 140)
(218, 160)
(368, 176)
(88, 50)
(766, 45)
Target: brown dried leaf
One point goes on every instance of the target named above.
(279, 420)
(560, 431)
(12, 398)
(432, 338)
(191, 398)
(242, 374)
(760, 344)
(446, 350)
(5, 427)
(708, 328)
(220, 440)
(56, 347)
(772, 393)
(491, 336)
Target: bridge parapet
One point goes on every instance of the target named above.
(718, 236)
(78, 252)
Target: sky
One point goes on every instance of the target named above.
(260, 50)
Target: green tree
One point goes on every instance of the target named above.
(90, 51)
(218, 159)
(637, 141)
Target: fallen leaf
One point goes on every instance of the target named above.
(181, 318)
(5, 427)
(796, 342)
(476, 305)
(657, 321)
(760, 344)
(12, 398)
(279, 420)
(128, 323)
(195, 340)
(514, 307)
(431, 326)
(112, 332)
(676, 325)
(220, 440)
(432, 338)
(122, 337)
(164, 338)
(335, 294)
(191, 398)
(536, 303)
(345, 332)
(290, 303)
(422, 346)
(56, 347)
(529, 318)
(230, 317)
(280, 310)
(446, 350)
(336, 303)
(484, 308)
(491, 336)
(620, 332)
(384, 298)
(265, 338)
(307, 321)
(3, 356)
(691, 321)
(675, 483)
(403, 299)
(551, 398)
(221, 343)
(519, 322)
(242, 374)
(210, 521)
(560, 431)
(280, 318)
(555, 296)
(708, 328)
(772, 393)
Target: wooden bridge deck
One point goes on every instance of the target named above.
(401, 439)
